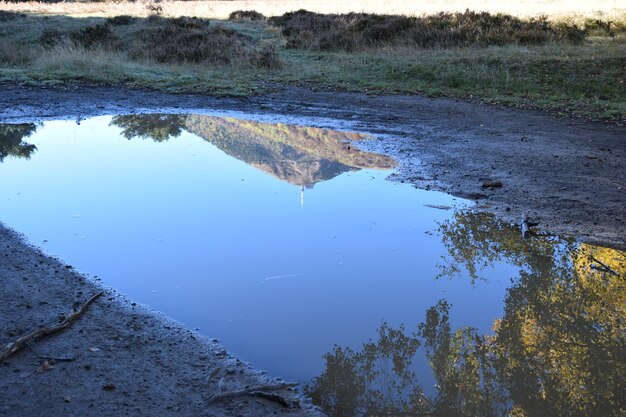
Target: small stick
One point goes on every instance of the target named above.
(19, 344)
(52, 358)
(257, 392)
(605, 267)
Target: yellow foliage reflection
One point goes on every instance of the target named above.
(558, 350)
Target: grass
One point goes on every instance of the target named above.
(247, 53)
(571, 80)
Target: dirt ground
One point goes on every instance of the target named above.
(123, 359)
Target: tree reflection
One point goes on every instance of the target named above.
(462, 366)
(476, 240)
(559, 350)
(158, 127)
(11, 140)
(375, 380)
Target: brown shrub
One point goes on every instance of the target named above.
(98, 36)
(50, 37)
(121, 20)
(195, 40)
(246, 15)
(353, 31)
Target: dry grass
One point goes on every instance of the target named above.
(64, 60)
(586, 80)
(222, 9)
(12, 56)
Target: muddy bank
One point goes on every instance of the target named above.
(567, 174)
(118, 358)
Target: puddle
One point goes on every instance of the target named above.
(288, 244)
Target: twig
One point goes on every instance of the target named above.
(19, 344)
(52, 358)
(259, 391)
(605, 267)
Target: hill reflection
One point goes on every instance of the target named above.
(298, 155)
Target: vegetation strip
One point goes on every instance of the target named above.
(573, 67)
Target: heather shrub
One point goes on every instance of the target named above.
(353, 31)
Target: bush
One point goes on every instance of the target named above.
(10, 55)
(98, 36)
(572, 34)
(195, 40)
(353, 31)
(7, 16)
(246, 15)
(122, 20)
(50, 37)
(267, 58)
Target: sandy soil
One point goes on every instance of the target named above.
(569, 175)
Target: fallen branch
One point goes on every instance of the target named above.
(492, 184)
(53, 359)
(604, 267)
(19, 344)
(259, 391)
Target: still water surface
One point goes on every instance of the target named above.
(282, 241)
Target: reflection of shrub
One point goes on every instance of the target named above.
(11, 140)
(158, 127)
(246, 15)
(353, 31)
(121, 20)
(95, 36)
